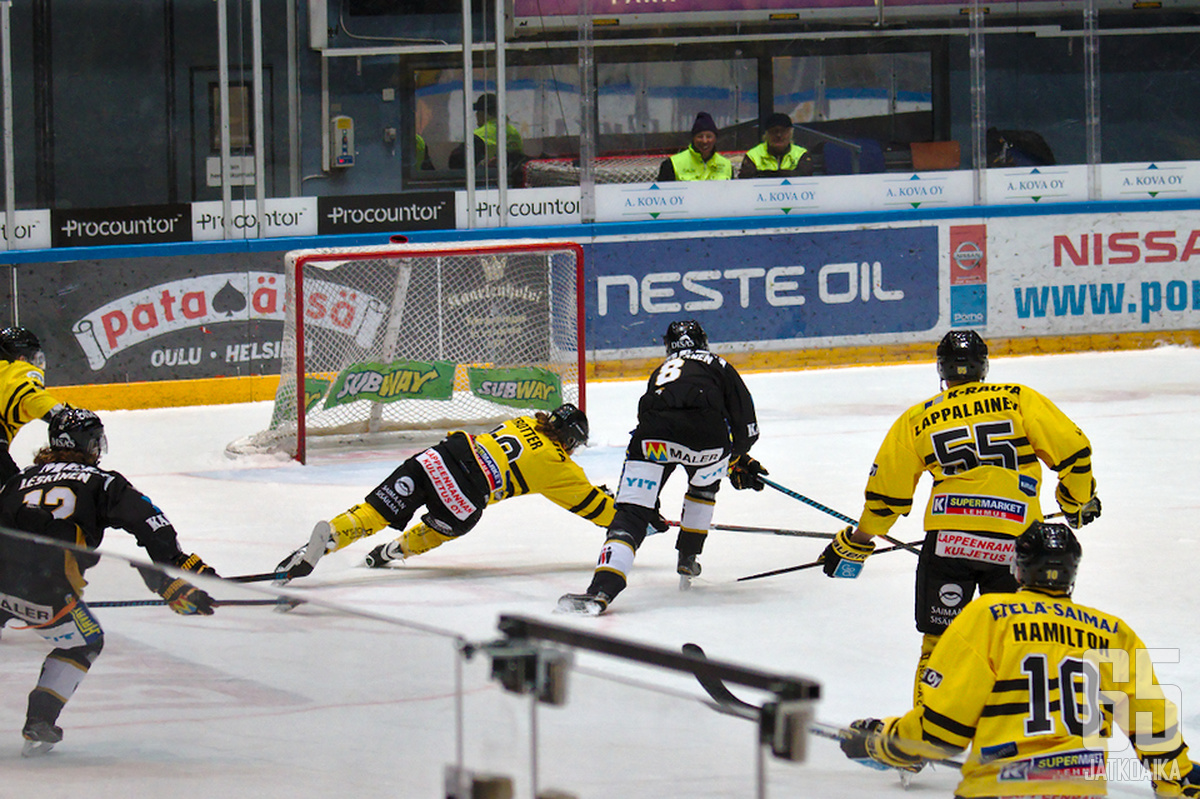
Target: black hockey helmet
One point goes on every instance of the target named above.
(1047, 557)
(962, 356)
(570, 424)
(683, 335)
(78, 429)
(19, 343)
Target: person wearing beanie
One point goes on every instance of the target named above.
(700, 161)
(776, 156)
(487, 137)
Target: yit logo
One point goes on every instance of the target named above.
(638, 482)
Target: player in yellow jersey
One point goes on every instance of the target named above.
(984, 445)
(995, 683)
(23, 396)
(456, 480)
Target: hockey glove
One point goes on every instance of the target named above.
(1082, 514)
(193, 563)
(745, 472)
(872, 744)
(1188, 785)
(186, 599)
(844, 557)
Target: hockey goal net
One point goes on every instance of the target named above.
(412, 340)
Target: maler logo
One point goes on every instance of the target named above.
(655, 450)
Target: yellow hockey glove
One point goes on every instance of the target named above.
(1077, 514)
(193, 563)
(874, 744)
(1187, 785)
(844, 557)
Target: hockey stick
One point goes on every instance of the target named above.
(729, 703)
(796, 495)
(737, 528)
(257, 578)
(825, 509)
(281, 602)
(803, 566)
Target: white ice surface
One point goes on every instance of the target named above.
(312, 703)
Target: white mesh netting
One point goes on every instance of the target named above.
(413, 340)
(608, 169)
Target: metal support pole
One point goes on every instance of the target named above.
(223, 90)
(10, 174)
(260, 155)
(293, 93)
(10, 189)
(468, 90)
(587, 115)
(502, 117)
(978, 103)
(1091, 78)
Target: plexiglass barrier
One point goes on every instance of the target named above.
(281, 694)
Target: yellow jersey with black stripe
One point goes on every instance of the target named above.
(1033, 682)
(24, 397)
(517, 459)
(984, 445)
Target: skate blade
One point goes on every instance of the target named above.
(36, 748)
(685, 582)
(578, 606)
(286, 605)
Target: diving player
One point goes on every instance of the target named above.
(456, 479)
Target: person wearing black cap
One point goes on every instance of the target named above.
(487, 136)
(700, 161)
(776, 156)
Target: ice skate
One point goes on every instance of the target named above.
(688, 568)
(382, 555)
(583, 604)
(40, 737)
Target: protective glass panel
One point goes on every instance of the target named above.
(542, 110)
(317, 700)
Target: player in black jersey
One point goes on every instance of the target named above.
(697, 414)
(66, 496)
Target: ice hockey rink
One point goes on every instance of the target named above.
(353, 694)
